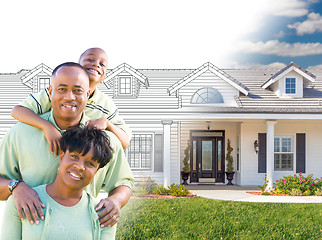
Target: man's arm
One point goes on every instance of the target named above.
(26, 199)
(112, 206)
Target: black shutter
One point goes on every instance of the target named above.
(262, 153)
(300, 152)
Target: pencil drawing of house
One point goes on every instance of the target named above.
(278, 109)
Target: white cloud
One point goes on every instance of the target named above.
(279, 48)
(315, 67)
(287, 8)
(311, 25)
(280, 34)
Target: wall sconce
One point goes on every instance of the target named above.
(208, 124)
(256, 146)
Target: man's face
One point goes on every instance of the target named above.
(69, 92)
(95, 62)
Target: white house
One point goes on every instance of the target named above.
(280, 110)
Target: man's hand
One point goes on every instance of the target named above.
(111, 212)
(27, 199)
(53, 137)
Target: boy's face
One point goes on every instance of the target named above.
(77, 171)
(94, 60)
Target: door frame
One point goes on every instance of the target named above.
(214, 135)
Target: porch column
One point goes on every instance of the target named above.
(270, 153)
(166, 151)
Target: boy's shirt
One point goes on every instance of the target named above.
(98, 106)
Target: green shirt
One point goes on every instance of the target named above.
(98, 106)
(25, 155)
(77, 222)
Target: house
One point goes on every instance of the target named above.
(273, 118)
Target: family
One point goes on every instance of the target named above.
(68, 146)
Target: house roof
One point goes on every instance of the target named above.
(126, 67)
(291, 67)
(35, 71)
(215, 70)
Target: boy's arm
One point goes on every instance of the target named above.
(25, 115)
(104, 124)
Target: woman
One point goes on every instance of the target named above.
(70, 211)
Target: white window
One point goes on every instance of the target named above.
(125, 85)
(290, 85)
(43, 82)
(206, 95)
(140, 151)
(283, 153)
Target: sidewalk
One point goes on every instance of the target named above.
(238, 193)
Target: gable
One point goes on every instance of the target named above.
(213, 69)
(32, 77)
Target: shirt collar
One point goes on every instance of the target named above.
(52, 120)
(94, 98)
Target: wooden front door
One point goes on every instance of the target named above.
(207, 156)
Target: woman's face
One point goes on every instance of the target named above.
(77, 171)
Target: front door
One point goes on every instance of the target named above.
(207, 156)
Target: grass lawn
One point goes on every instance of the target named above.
(201, 218)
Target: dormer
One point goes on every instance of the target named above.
(126, 81)
(37, 78)
(290, 81)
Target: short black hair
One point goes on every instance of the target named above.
(80, 139)
(68, 64)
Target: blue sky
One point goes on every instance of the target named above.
(285, 36)
(162, 33)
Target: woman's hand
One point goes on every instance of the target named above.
(27, 199)
(53, 137)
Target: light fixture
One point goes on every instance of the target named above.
(256, 146)
(208, 125)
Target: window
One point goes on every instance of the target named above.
(125, 85)
(290, 85)
(207, 95)
(283, 153)
(43, 83)
(140, 151)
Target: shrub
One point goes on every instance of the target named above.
(265, 193)
(143, 186)
(161, 190)
(263, 187)
(318, 192)
(177, 190)
(296, 192)
(298, 183)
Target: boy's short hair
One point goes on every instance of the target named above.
(80, 139)
(68, 64)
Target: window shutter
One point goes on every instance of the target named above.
(262, 153)
(158, 153)
(300, 152)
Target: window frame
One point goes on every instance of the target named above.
(120, 89)
(40, 83)
(128, 153)
(281, 152)
(290, 88)
(194, 99)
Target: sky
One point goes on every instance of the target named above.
(162, 34)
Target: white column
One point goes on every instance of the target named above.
(166, 151)
(270, 153)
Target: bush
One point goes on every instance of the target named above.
(263, 187)
(265, 193)
(161, 190)
(318, 192)
(177, 190)
(143, 186)
(298, 185)
(296, 192)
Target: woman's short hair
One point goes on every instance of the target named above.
(80, 139)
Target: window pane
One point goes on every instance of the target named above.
(207, 95)
(219, 155)
(206, 159)
(194, 155)
(140, 151)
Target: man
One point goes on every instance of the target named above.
(26, 160)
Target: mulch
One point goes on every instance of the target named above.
(165, 196)
(275, 194)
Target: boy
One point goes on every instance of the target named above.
(100, 108)
(70, 211)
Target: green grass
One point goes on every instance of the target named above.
(200, 218)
